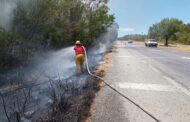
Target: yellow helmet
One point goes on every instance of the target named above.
(77, 42)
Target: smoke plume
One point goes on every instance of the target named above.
(7, 8)
(6, 12)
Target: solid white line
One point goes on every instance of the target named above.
(154, 69)
(147, 87)
(177, 85)
(144, 62)
(188, 58)
(156, 50)
(123, 56)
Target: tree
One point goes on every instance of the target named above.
(168, 28)
(183, 36)
(165, 29)
(136, 37)
(154, 31)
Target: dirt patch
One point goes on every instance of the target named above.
(139, 42)
(177, 47)
(105, 64)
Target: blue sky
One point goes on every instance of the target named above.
(135, 16)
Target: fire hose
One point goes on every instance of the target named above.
(107, 84)
(115, 90)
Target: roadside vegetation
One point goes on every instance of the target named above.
(136, 37)
(170, 29)
(41, 25)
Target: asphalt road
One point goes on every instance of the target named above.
(157, 79)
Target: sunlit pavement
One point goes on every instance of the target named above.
(157, 79)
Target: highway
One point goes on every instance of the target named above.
(157, 79)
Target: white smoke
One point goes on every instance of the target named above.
(53, 64)
(7, 8)
(62, 62)
(107, 39)
(104, 43)
(6, 12)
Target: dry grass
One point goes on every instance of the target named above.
(139, 42)
(177, 47)
(105, 65)
(101, 69)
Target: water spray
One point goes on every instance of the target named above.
(115, 90)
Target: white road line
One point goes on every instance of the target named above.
(144, 62)
(162, 57)
(123, 56)
(156, 50)
(188, 58)
(177, 85)
(154, 69)
(147, 87)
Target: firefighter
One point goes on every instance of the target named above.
(79, 56)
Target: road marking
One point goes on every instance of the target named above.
(154, 69)
(188, 58)
(156, 50)
(147, 87)
(177, 85)
(123, 56)
(144, 62)
(161, 57)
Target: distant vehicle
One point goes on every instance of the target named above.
(130, 41)
(151, 43)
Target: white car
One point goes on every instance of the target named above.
(151, 43)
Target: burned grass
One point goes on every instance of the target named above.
(75, 106)
(67, 100)
(78, 106)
